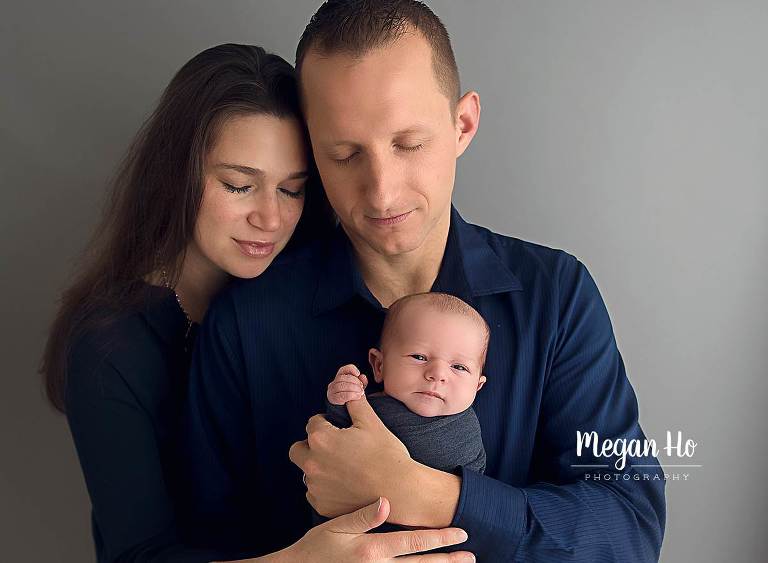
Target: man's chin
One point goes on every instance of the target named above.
(394, 244)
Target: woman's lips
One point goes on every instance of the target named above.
(255, 248)
(388, 221)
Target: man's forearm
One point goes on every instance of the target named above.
(424, 497)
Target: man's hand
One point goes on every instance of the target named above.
(349, 468)
(349, 384)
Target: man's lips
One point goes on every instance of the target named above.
(391, 220)
(255, 248)
(432, 394)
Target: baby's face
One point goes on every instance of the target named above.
(431, 361)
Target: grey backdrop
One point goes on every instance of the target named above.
(632, 134)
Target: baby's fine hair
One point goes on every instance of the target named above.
(443, 303)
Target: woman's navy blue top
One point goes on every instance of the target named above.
(124, 398)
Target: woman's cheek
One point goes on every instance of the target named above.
(294, 213)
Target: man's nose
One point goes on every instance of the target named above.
(265, 214)
(383, 182)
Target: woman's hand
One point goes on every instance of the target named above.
(344, 539)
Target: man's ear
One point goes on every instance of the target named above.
(481, 382)
(376, 359)
(467, 120)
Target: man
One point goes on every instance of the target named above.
(380, 91)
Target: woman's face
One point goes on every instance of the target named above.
(253, 193)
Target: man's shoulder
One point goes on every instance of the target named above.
(530, 262)
(289, 282)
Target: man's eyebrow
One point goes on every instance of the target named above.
(258, 172)
(415, 130)
(342, 143)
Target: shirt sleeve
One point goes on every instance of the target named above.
(563, 515)
(120, 458)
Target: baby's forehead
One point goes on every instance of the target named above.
(429, 322)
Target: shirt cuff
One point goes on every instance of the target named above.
(492, 513)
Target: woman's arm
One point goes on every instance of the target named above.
(344, 539)
(120, 458)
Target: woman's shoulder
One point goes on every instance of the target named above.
(129, 351)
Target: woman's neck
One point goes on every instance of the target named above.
(199, 281)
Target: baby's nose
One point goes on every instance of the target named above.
(435, 373)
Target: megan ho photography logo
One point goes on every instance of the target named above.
(623, 455)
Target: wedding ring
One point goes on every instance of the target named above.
(304, 478)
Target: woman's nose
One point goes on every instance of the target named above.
(266, 212)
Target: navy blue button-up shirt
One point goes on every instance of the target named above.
(269, 347)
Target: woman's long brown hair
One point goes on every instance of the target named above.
(156, 194)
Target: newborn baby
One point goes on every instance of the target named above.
(432, 351)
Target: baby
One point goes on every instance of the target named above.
(431, 356)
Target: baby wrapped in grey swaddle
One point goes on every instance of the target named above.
(433, 348)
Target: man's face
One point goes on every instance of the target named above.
(385, 142)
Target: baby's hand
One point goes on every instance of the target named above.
(348, 385)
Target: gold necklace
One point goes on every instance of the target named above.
(167, 283)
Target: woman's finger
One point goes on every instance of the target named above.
(455, 557)
(394, 544)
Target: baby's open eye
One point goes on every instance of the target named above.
(419, 357)
(460, 367)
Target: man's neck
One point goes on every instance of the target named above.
(389, 278)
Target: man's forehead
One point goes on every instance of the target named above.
(346, 88)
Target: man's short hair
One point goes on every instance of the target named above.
(443, 303)
(355, 27)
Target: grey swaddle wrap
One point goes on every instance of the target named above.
(442, 442)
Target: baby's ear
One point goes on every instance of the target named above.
(481, 382)
(376, 359)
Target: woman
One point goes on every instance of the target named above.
(213, 186)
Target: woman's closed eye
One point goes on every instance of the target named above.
(292, 193)
(236, 189)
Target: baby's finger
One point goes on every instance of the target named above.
(363, 379)
(339, 386)
(344, 397)
(348, 378)
(349, 368)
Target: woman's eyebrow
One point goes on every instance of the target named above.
(258, 172)
(241, 168)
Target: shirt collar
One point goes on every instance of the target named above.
(470, 268)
